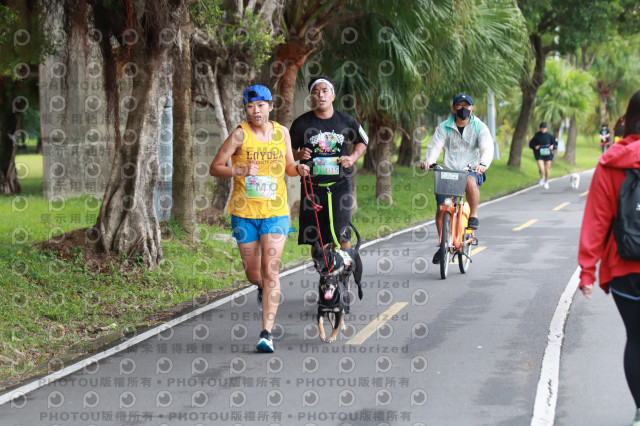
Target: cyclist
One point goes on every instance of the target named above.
(466, 141)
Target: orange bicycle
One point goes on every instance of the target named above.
(455, 238)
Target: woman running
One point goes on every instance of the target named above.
(260, 152)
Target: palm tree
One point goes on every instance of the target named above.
(617, 70)
(566, 93)
(428, 51)
(303, 23)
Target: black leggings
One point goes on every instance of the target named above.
(630, 313)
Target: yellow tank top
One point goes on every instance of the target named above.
(264, 195)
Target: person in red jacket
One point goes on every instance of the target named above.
(618, 276)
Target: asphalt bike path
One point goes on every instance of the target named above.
(417, 350)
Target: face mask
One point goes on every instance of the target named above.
(463, 113)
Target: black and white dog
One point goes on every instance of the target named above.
(333, 286)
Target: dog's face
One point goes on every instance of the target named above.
(329, 287)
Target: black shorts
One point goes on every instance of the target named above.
(342, 202)
(543, 157)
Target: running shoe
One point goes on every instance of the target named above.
(259, 299)
(546, 185)
(265, 344)
(541, 181)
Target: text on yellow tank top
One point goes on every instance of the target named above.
(264, 195)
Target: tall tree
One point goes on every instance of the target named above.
(567, 92)
(564, 26)
(617, 73)
(22, 43)
(303, 24)
(183, 193)
(423, 52)
(131, 39)
(232, 40)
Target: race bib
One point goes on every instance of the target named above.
(260, 187)
(545, 151)
(326, 166)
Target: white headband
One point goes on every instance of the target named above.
(322, 80)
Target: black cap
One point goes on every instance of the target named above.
(543, 124)
(462, 97)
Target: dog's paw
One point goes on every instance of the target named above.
(331, 339)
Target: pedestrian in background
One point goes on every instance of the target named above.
(605, 137)
(543, 144)
(597, 244)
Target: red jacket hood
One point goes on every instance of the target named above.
(623, 154)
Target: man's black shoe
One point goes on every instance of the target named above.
(473, 223)
(436, 258)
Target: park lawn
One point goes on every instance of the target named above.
(56, 306)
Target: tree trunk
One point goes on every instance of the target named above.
(284, 115)
(227, 87)
(529, 86)
(603, 108)
(369, 158)
(570, 152)
(409, 152)
(183, 193)
(9, 183)
(127, 222)
(292, 54)
(384, 167)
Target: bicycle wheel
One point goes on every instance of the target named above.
(445, 245)
(464, 255)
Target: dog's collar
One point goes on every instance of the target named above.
(333, 272)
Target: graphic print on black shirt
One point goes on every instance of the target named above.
(328, 140)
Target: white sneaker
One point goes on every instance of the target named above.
(541, 181)
(265, 344)
(546, 185)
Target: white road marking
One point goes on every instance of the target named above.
(544, 408)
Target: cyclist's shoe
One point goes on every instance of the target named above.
(436, 258)
(265, 344)
(474, 223)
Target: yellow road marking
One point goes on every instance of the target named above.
(584, 193)
(561, 206)
(371, 328)
(478, 250)
(521, 227)
(474, 251)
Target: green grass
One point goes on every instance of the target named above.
(51, 305)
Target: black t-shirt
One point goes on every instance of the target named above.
(545, 140)
(328, 140)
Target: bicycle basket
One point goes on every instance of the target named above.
(450, 182)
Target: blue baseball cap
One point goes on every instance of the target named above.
(462, 97)
(256, 93)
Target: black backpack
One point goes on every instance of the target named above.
(626, 228)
